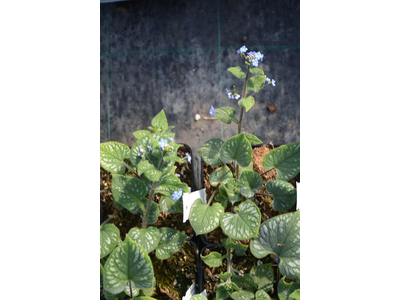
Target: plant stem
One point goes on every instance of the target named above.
(130, 288)
(228, 258)
(110, 217)
(266, 172)
(263, 194)
(213, 194)
(130, 169)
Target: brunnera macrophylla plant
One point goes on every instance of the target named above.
(231, 206)
(138, 174)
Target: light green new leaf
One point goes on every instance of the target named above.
(238, 247)
(237, 71)
(160, 122)
(149, 170)
(285, 159)
(280, 235)
(141, 134)
(214, 259)
(261, 294)
(109, 239)
(225, 276)
(256, 71)
(295, 295)
(128, 191)
(153, 213)
(286, 289)
(242, 295)
(243, 225)
(284, 194)
(245, 282)
(231, 190)
(170, 242)
(253, 139)
(247, 103)
(204, 218)
(170, 184)
(226, 115)
(112, 154)
(127, 262)
(256, 83)
(263, 276)
(198, 297)
(237, 148)
(147, 238)
(210, 151)
(250, 182)
(167, 204)
(220, 175)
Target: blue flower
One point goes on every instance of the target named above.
(276, 260)
(171, 139)
(163, 143)
(149, 148)
(212, 111)
(177, 195)
(189, 158)
(268, 80)
(236, 96)
(140, 154)
(273, 82)
(226, 91)
(254, 62)
(259, 56)
(230, 95)
(242, 49)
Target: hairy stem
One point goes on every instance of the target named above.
(266, 172)
(229, 258)
(110, 217)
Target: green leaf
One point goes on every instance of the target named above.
(220, 175)
(154, 212)
(142, 144)
(170, 242)
(225, 276)
(295, 295)
(256, 71)
(204, 218)
(226, 115)
(247, 103)
(149, 170)
(243, 225)
(128, 191)
(263, 276)
(250, 182)
(160, 122)
(141, 134)
(167, 204)
(242, 295)
(284, 194)
(245, 282)
(147, 238)
(210, 151)
(170, 184)
(112, 154)
(222, 200)
(128, 262)
(237, 148)
(135, 292)
(261, 294)
(238, 247)
(144, 298)
(280, 235)
(214, 259)
(198, 297)
(109, 239)
(231, 190)
(253, 139)
(285, 159)
(256, 83)
(286, 289)
(110, 296)
(237, 71)
(223, 291)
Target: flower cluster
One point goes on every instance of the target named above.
(212, 111)
(269, 81)
(164, 144)
(252, 56)
(232, 96)
(141, 152)
(177, 195)
(189, 158)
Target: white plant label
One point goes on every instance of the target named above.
(192, 291)
(188, 200)
(298, 197)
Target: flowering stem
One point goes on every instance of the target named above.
(229, 258)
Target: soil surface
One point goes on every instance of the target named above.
(176, 274)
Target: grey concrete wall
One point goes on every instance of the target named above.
(173, 55)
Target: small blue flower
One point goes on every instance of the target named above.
(140, 154)
(242, 49)
(229, 95)
(189, 158)
(163, 143)
(254, 62)
(226, 91)
(236, 96)
(177, 195)
(259, 56)
(170, 139)
(273, 82)
(268, 80)
(149, 148)
(212, 111)
(276, 260)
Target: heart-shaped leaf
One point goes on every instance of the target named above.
(149, 170)
(280, 235)
(250, 182)
(204, 218)
(109, 239)
(295, 295)
(261, 294)
(141, 134)
(147, 238)
(284, 194)
(214, 259)
(247, 103)
(167, 204)
(210, 151)
(237, 71)
(153, 213)
(256, 83)
(237, 148)
(128, 191)
(256, 71)
(128, 262)
(263, 276)
(285, 159)
(243, 225)
(242, 295)
(245, 282)
(170, 184)
(112, 154)
(226, 115)
(253, 139)
(198, 297)
(220, 175)
(160, 122)
(170, 242)
(286, 289)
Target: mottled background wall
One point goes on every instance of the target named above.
(173, 55)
